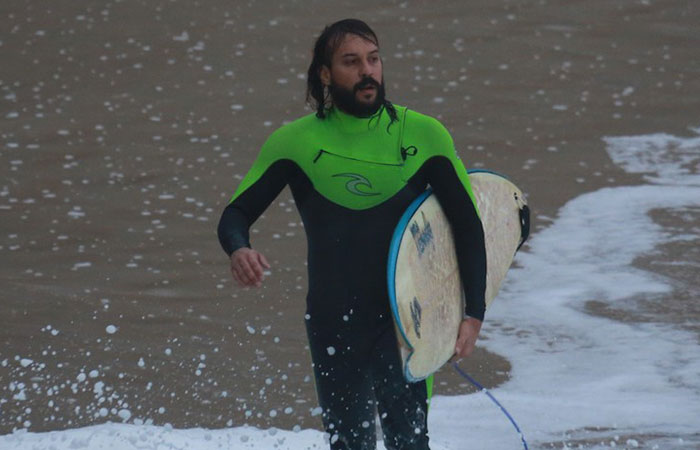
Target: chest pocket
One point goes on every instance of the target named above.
(356, 183)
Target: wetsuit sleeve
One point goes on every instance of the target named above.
(447, 176)
(259, 188)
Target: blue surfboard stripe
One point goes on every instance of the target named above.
(391, 269)
(394, 254)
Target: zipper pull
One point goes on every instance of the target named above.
(405, 151)
(320, 152)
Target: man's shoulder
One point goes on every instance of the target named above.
(424, 128)
(292, 130)
(286, 140)
(424, 123)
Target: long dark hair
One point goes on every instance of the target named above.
(326, 44)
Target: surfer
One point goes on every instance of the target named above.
(353, 167)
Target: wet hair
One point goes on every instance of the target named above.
(327, 43)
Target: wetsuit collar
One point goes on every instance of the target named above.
(352, 124)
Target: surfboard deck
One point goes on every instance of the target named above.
(425, 289)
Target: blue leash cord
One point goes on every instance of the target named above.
(485, 391)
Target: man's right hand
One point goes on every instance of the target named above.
(247, 267)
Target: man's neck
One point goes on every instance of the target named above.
(352, 123)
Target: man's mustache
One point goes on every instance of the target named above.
(366, 82)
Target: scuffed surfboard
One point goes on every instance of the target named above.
(425, 289)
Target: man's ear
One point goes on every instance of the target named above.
(325, 74)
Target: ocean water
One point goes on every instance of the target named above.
(126, 125)
(579, 379)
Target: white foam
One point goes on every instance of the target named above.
(663, 158)
(576, 378)
(572, 370)
(139, 437)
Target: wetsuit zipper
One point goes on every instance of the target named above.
(321, 152)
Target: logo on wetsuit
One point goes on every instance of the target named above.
(355, 181)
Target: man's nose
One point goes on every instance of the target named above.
(366, 68)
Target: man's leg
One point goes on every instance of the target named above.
(403, 406)
(344, 389)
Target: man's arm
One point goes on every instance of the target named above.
(435, 154)
(468, 233)
(449, 181)
(247, 265)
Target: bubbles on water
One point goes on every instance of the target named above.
(182, 37)
(81, 265)
(124, 414)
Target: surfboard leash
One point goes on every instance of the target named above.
(466, 376)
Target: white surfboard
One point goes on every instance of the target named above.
(425, 289)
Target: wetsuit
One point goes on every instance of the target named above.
(352, 179)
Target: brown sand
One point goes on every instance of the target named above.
(126, 125)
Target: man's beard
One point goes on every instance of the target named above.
(346, 100)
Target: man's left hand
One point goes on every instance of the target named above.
(466, 340)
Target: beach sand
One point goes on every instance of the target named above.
(126, 126)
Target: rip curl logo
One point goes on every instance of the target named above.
(355, 182)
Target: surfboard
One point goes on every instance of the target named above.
(425, 289)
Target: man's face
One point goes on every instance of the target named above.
(355, 76)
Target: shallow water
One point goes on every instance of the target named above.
(125, 126)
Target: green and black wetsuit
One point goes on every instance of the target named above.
(352, 179)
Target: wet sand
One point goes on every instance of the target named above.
(677, 261)
(125, 126)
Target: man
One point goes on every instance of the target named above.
(353, 168)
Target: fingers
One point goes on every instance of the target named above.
(462, 347)
(253, 269)
(240, 276)
(462, 350)
(243, 275)
(247, 267)
(466, 340)
(263, 261)
(236, 277)
(249, 271)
